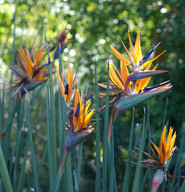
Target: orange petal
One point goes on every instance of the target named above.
(61, 84)
(132, 49)
(138, 47)
(114, 78)
(168, 142)
(158, 151)
(120, 56)
(87, 118)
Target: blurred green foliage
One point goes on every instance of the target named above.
(94, 26)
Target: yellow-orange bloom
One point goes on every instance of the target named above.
(124, 83)
(29, 71)
(82, 115)
(137, 61)
(160, 160)
(67, 88)
(166, 148)
(121, 85)
(79, 125)
(61, 44)
(165, 151)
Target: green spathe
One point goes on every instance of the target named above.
(75, 138)
(32, 84)
(130, 101)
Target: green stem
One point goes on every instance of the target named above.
(32, 150)
(53, 119)
(61, 171)
(125, 186)
(98, 165)
(50, 157)
(4, 173)
(138, 168)
(105, 139)
(79, 164)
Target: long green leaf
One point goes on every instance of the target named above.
(126, 182)
(50, 157)
(136, 184)
(32, 149)
(53, 119)
(105, 139)
(79, 164)
(4, 173)
(98, 165)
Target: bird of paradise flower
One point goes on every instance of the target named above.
(79, 116)
(161, 160)
(128, 89)
(60, 43)
(30, 73)
(80, 126)
(67, 88)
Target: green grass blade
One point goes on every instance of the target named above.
(165, 113)
(62, 121)
(125, 186)
(105, 139)
(50, 159)
(42, 159)
(144, 180)
(79, 164)
(17, 144)
(113, 184)
(69, 177)
(136, 183)
(2, 110)
(22, 173)
(7, 132)
(179, 159)
(98, 164)
(61, 109)
(32, 149)
(53, 119)
(4, 173)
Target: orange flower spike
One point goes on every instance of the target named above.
(87, 118)
(119, 55)
(69, 84)
(124, 71)
(138, 47)
(38, 57)
(76, 103)
(61, 84)
(67, 88)
(81, 116)
(132, 49)
(114, 78)
(166, 146)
